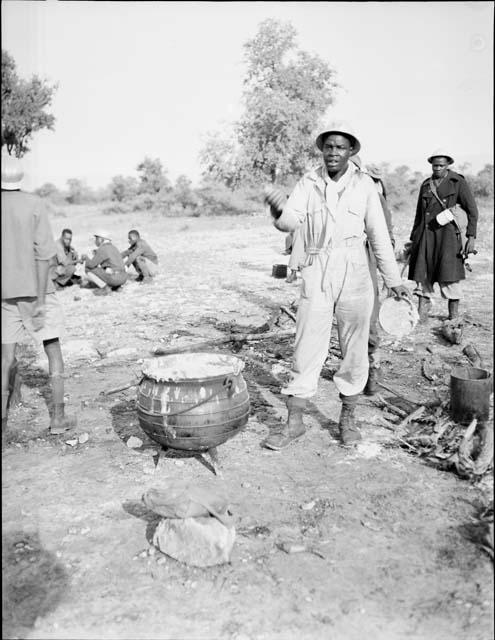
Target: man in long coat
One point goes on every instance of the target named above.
(437, 254)
(335, 209)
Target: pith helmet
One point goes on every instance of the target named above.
(102, 233)
(342, 128)
(12, 172)
(357, 161)
(374, 171)
(441, 153)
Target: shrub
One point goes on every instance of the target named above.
(117, 208)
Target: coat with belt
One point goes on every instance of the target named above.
(436, 251)
(359, 217)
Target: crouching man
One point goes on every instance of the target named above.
(106, 268)
(339, 209)
(141, 256)
(64, 270)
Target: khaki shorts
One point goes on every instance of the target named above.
(17, 321)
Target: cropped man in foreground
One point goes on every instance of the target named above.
(339, 209)
(29, 302)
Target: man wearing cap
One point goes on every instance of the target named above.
(336, 209)
(106, 268)
(436, 253)
(29, 303)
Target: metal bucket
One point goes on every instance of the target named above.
(192, 413)
(470, 390)
(279, 271)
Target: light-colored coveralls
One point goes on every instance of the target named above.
(334, 220)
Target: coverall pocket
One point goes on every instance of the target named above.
(308, 281)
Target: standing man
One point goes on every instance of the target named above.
(141, 256)
(340, 210)
(64, 270)
(29, 302)
(437, 254)
(374, 338)
(106, 268)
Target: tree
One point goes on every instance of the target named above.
(123, 188)
(219, 159)
(153, 178)
(23, 107)
(184, 193)
(78, 192)
(48, 190)
(287, 91)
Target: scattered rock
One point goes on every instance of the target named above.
(79, 350)
(308, 506)
(199, 542)
(134, 443)
(83, 438)
(72, 443)
(120, 353)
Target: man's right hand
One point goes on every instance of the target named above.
(276, 199)
(38, 316)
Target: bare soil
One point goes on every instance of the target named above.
(392, 557)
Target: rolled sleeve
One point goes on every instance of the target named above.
(377, 232)
(44, 244)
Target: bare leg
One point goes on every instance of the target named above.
(8, 358)
(59, 422)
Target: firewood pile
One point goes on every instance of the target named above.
(431, 434)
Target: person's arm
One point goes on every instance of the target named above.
(44, 251)
(92, 263)
(137, 250)
(295, 209)
(127, 252)
(388, 218)
(377, 233)
(467, 202)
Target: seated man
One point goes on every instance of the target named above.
(64, 267)
(141, 256)
(106, 268)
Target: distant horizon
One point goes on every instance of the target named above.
(152, 79)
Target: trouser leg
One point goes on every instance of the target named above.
(98, 277)
(313, 329)
(141, 266)
(353, 313)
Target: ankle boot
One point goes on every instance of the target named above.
(424, 305)
(349, 431)
(60, 423)
(373, 378)
(294, 428)
(453, 309)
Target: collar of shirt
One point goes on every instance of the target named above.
(334, 188)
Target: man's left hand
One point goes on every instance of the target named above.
(401, 292)
(469, 247)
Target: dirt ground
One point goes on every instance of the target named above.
(393, 559)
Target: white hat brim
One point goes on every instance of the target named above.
(11, 186)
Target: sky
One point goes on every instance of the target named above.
(153, 78)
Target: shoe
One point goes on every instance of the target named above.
(424, 305)
(140, 278)
(294, 428)
(147, 280)
(453, 309)
(60, 423)
(104, 291)
(349, 431)
(372, 384)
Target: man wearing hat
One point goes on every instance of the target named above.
(437, 254)
(336, 209)
(106, 268)
(29, 303)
